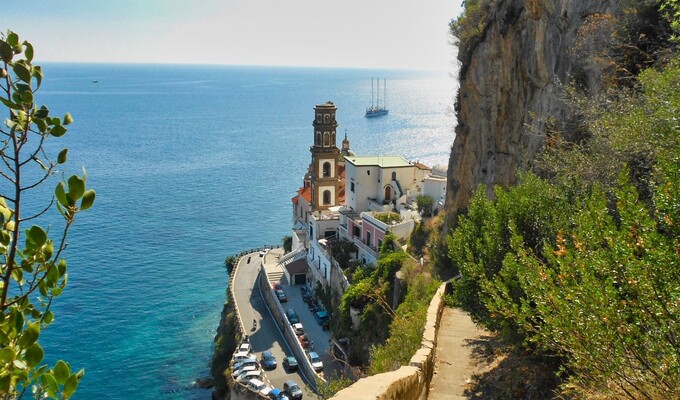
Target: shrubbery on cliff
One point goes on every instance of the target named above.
(586, 266)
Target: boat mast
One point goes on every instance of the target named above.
(377, 105)
(371, 93)
(385, 93)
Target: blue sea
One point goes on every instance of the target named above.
(192, 164)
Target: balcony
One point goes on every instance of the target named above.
(371, 251)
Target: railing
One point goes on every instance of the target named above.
(370, 250)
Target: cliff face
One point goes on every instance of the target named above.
(509, 88)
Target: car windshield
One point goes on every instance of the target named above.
(314, 358)
(268, 356)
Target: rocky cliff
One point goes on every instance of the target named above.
(512, 69)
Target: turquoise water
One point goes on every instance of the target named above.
(191, 164)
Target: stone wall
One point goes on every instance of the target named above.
(411, 381)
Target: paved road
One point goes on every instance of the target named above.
(251, 306)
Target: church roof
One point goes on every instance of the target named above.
(305, 193)
(422, 166)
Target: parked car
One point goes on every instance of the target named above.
(247, 376)
(290, 364)
(298, 329)
(277, 285)
(268, 360)
(277, 394)
(292, 316)
(292, 390)
(322, 318)
(243, 369)
(257, 386)
(241, 355)
(245, 346)
(316, 362)
(281, 296)
(247, 361)
(304, 341)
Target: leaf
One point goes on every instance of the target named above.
(68, 119)
(88, 200)
(61, 372)
(76, 187)
(70, 386)
(28, 51)
(61, 194)
(6, 52)
(63, 156)
(38, 75)
(48, 250)
(7, 354)
(31, 334)
(13, 39)
(22, 72)
(34, 355)
(42, 112)
(10, 104)
(57, 131)
(48, 317)
(37, 235)
(50, 384)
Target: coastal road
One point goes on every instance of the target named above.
(267, 336)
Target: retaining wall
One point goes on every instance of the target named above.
(410, 382)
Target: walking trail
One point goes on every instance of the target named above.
(458, 357)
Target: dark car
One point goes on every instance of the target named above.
(322, 319)
(304, 340)
(292, 316)
(268, 360)
(277, 286)
(277, 394)
(292, 390)
(290, 364)
(282, 296)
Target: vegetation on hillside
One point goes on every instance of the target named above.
(580, 261)
(33, 272)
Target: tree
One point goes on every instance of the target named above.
(287, 243)
(32, 270)
(425, 203)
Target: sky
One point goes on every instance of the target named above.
(401, 34)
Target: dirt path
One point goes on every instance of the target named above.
(458, 355)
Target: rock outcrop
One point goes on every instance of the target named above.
(510, 81)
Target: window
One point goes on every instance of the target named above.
(379, 244)
(368, 238)
(318, 139)
(318, 118)
(394, 176)
(326, 169)
(326, 197)
(368, 172)
(351, 187)
(326, 119)
(356, 232)
(326, 139)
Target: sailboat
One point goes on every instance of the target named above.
(376, 110)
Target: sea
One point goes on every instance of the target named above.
(192, 164)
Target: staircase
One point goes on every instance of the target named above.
(279, 275)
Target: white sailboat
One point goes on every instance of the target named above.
(376, 110)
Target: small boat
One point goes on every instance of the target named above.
(376, 110)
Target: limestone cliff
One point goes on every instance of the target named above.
(509, 87)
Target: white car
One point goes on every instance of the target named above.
(298, 329)
(245, 346)
(242, 355)
(243, 369)
(257, 386)
(247, 376)
(316, 362)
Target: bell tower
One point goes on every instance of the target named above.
(325, 156)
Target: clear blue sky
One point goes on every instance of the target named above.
(342, 33)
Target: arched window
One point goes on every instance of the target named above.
(326, 169)
(326, 197)
(326, 139)
(394, 176)
(318, 118)
(318, 139)
(326, 119)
